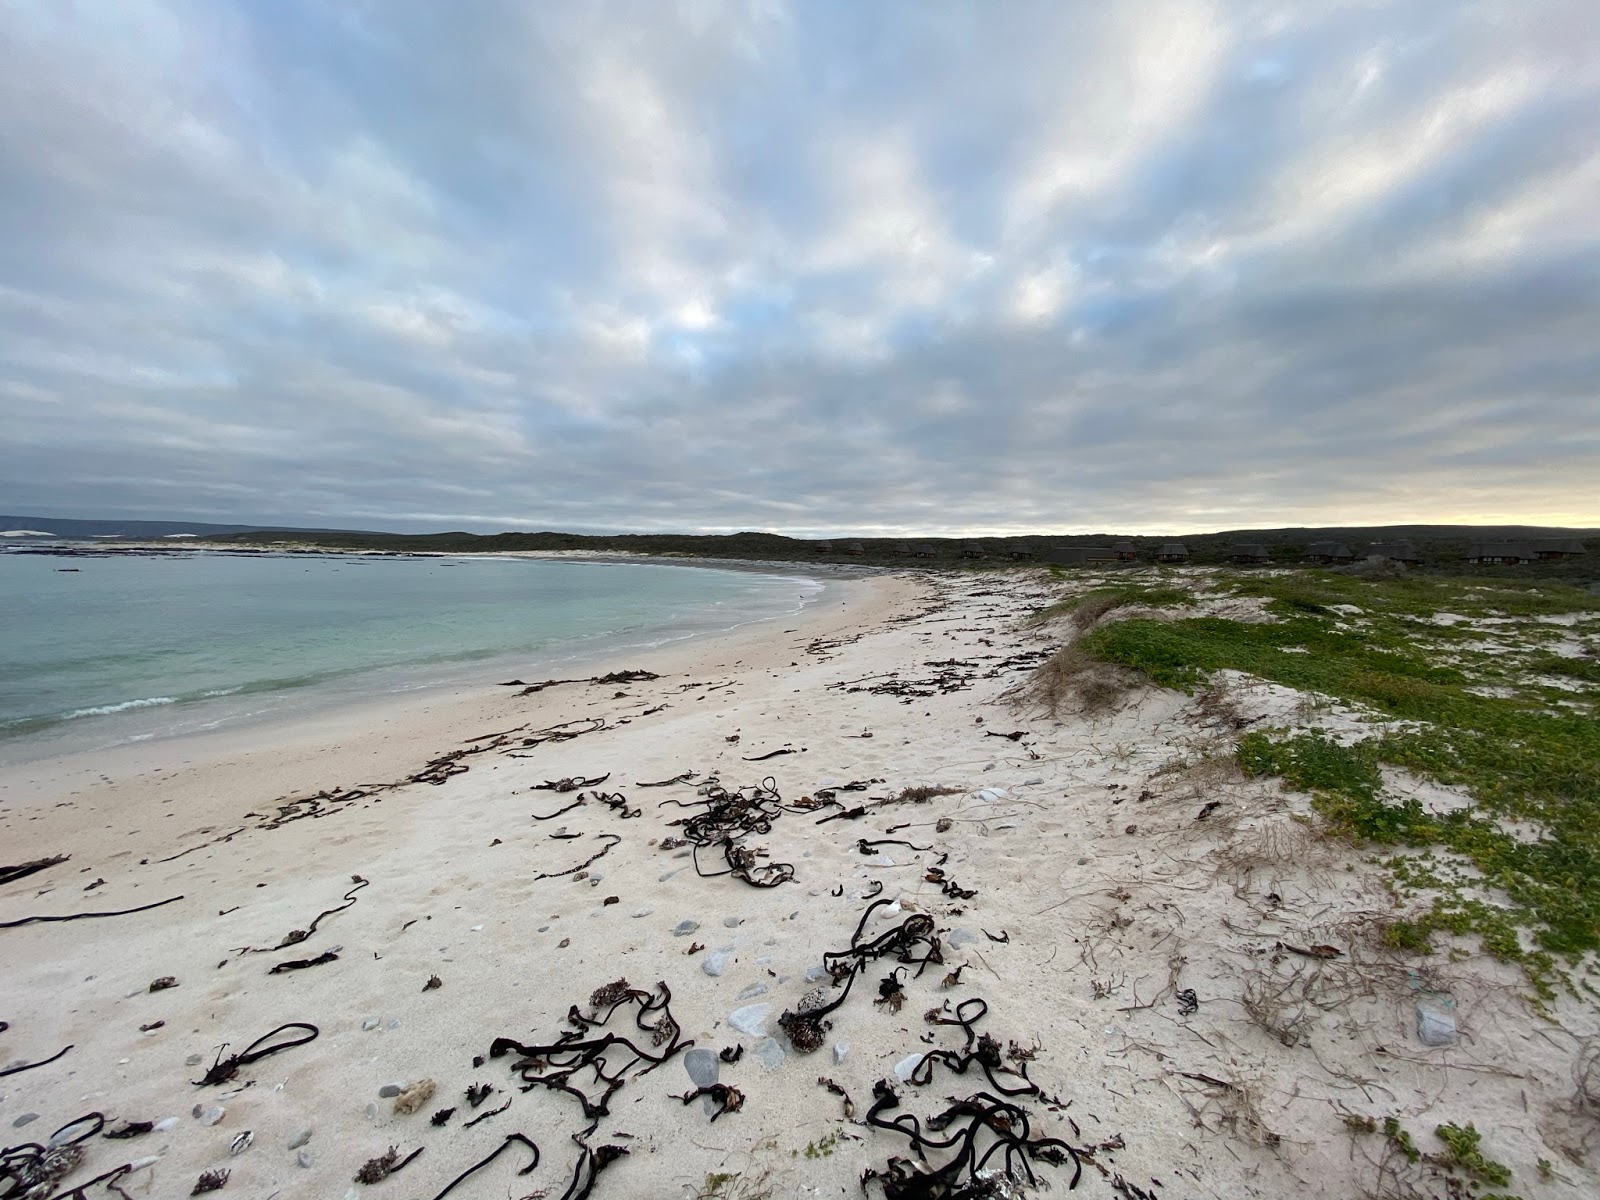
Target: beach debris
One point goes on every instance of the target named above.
(414, 1097)
(241, 1143)
(724, 1096)
(774, 754)
(210, 1181)
(490, 1157)
(729, 1054)
(23, 870)
(567, 1063)
(695, 947)
(1188, 1002)
(129, 1129)
(224, 1069)
(631, 676)
(686, 777)
(849, 1105)
(484, 1116)
(561, 833)
(386, 1164)
(162, 984)
(477, 1093)
(1436, 1023)
(152, 1026)
(27, 1066)
(120, 912)
(442, 1116)
(300, 964)
(433, 982)
(570, 784)
(593, 858)
(295, 936)
(1003, 937)
(973, 1131)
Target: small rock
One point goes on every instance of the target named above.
(733, 922)
(908, 1064)
(213, 1114)
(241, 1143)
(391, 1089)
(961, 937)
(840, 1050)
(751, 1019)
(685, 928)
(594, 880)
(162, 984)
(643, 912)
(24, 1119)
(1083, 862)
(1436, 1023)
(194, 1060)
(371, 1023)
(300, 1139)
(303, 1159)
(769, 1052)
(815, 973)
(476, 929)
(666, 875)
(703, 1066)
(1034, 782)
(716, 962)
(394, 1023)
(372, 1110)
(164, 1124)
(139, 1164)
(751, 992)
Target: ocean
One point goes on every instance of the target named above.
(130, 647)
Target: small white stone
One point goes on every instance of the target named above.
(751, 1019)
(476, 928)
(164, 1124)
(241, 1143)
(840, 1049)
(139, 1164)
(751, 992)
(716, 962)
(643, 912)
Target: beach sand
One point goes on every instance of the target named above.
(1146, 927)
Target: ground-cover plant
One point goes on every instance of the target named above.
(1523, 864)
(1086, 608)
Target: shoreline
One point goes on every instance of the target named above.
(1118, 901)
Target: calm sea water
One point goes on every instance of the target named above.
(129, 648)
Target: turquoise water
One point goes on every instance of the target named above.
(128, 647)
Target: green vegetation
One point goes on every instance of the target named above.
(1519, 862)
(1088, 607)
(823, 1148)
(1465, 1157)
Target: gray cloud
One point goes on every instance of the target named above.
(808, 267)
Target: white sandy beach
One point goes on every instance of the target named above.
(1164, 968)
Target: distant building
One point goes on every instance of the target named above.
(1249, 554)
(1502, 554)
(901, 548)
(1555, 549)
(924, 550)
(822, 547)
(1021, 553)
(1172, 552)
(1329, 553)
(1401, 552)
(1081, 556)
(852, 548)
(973, 550)
(1125, 551)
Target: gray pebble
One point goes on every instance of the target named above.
(372, 1110)
(1034, 782)
(751, 1019)
(24, 1119)
(716, 962)
(702, 1066)
(1083, 862)
(394, 1023)
(1436, 1023)
(371, 1023)
(544, 929)
(165, 1124)
(194, 1060)
(962, 937)
(666, 875)
(908, 1064)
(751, 992)
(300, 1139)
(213, 1114)
(840, 1049)
(733, 922)
(769, 1052)
(391, 1089)
(814, 892)
(684, 928)
(643, 912)
(815, 973)
(594, 880)
(303, 1158)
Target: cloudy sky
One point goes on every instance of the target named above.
(801, 265)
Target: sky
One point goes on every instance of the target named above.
(816, 266)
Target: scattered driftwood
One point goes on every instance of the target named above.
(121, 912)
(23, 870)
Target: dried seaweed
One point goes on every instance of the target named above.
(121, 912)
(573, 1062)
(224, 1069)
(300, 964)
(23, 870)
(20, 1068)
(386, 1164)
(593, 858)
(210, 1181)
(489, 1158)
(731, 816)
(725, 1096)
(570, 784)
(295, 936)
